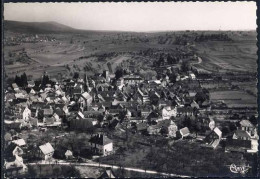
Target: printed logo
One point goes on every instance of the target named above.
(243, 169)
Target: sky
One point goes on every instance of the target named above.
(152, 16)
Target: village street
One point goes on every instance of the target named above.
(94, 164)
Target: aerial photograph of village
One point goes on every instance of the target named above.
(127, 90)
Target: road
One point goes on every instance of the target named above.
(93, 164)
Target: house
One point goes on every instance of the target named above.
(205, 104)
(68, 154)
(192, 76)
(172, 129)
(205, 123)
(7, 137)
(162, 103)
(33, 121)
(144, 96)
(19, 142)
(184, 132)
(154, 83)
(30, 83)
(101, 144)
(48, 120)
(145, 111)
(213, 139)
(13, 125)
(185, 111)
(113, 123)
(108, 173)
(85, 99)
(48, 112)
(241, 135)
(141, 127)
(26, 114)
(154, 129)
(120, 82)
(15, 87)
(168, 112)
(32, 91)
(83, 116)
(163, 126)
(46, 151)
(56, 117)
(194, 104)
(15, 167)
(132, 79)
(247, 126)
(154, 97)
(13, 162)
(17, 151)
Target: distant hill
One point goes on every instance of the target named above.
(48, 27)
(36, 27)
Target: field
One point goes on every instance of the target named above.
(239, 55)
(234, 98)
(90, 51)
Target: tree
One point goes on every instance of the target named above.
(200, 97)
(185, 66)
(164, 131)
(232, 127)
(187, 122)
(76, 75)
(45, 80)
(225, 131)
(197, 128)
(18, 80)
(172, 77)
(100, 118)
(119, 73)
(24, 79)
(109, 118)
(253, 120)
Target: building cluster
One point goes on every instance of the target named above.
(25, 38)
(127, 103)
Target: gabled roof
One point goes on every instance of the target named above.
(184, 109)
(241, 134)
(19, 142)
(68, 153)
(47, 111)
(164, 123)
(141, 126)
(86, 95)
(107, 174)
(14, 85)
(100, 140)
(31, 83)
(185, 131)
(246, 123)
(46, 148)
(49, 120)
(217, 131)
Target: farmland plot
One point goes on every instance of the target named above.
(234, 98)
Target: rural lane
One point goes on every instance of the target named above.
(93, 164)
